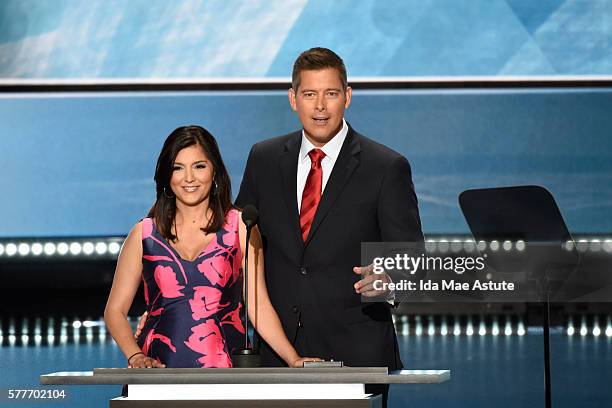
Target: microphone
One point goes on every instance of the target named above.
(247, 357)
(250, 216)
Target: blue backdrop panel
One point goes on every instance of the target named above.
(235, 38)
(83, 164)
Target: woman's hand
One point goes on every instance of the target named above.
(299, 363)
(142, 361)
(141, 323)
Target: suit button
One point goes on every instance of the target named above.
(303, 271)
(294, 309)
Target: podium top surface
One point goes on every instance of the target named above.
(339, 375)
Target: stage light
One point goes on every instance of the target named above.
(609, 331)
(50, 330)
(419, 327)
(570, 327)
(482, 330)
(63, 331)
(507, 245)
(495, 328)
(494, 245)
(481, 246)
(607, 245)
(24, 249)
(469, 245)
(582, 245)
(431, 328)
(583, 328)
(88, 248)
(37, 248)
(405, 327)
(37, 326)
(11, 326)
(521, 328)
(101, 248)
(88, 324)
(62, 248)
(49, 248)
(114, 248)
(457, 328)
(443, 245)
(75, 248)
(443, 327)
(11, 249)
(76, 324)
(596, 331)
(569, 245)
(520, 245)
(430, 245)
(508, 329)
(102, 332)
(469, 330)
(1, 249)
(456, 245)
(595, 245)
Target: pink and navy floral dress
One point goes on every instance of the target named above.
(193, 306)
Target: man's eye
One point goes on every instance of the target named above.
(333, 93)
(308, 94)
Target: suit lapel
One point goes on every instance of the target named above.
(288, 169)
(346, 163)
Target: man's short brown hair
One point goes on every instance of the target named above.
(316, 59)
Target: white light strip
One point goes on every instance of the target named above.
(110, 247)
(107, 248)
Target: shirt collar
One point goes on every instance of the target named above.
(331, 148)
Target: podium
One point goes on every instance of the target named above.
(246, 387)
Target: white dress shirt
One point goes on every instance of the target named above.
(331, 150)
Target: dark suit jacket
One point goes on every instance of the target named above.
(368, 197)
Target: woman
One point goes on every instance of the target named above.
(190, 252)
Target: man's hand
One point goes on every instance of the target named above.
(141, 323)
(365, 286)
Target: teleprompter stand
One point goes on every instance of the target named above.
(530, 214)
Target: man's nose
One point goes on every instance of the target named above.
(320, 105)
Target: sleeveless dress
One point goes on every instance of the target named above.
(193, 307)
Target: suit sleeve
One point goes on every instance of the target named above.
(399, 221)
(398, 212)
(248, 193)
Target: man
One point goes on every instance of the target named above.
(321, 192)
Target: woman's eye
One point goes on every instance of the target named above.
(200, 166)
(176, 168)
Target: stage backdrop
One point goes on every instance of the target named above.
(83, 164)
(236, 38)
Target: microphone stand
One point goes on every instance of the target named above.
(246, 357)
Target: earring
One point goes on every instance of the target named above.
(166, 194)
(213, 191)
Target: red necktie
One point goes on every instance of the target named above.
(312, 191)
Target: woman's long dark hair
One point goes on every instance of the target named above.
(220, 202)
